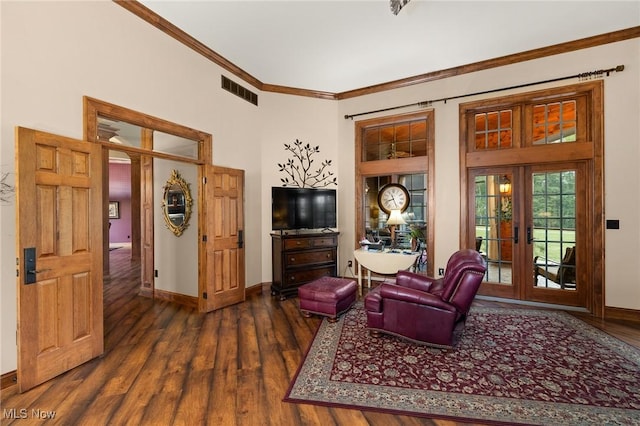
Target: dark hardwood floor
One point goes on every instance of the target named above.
(165, 364)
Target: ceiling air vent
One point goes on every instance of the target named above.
(240, 91)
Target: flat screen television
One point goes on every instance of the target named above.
(302, 208)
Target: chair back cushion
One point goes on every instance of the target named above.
(462, 278)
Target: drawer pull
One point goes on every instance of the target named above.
(292, 259)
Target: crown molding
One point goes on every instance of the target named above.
(542, 52)
(300, 92)
(167, 27)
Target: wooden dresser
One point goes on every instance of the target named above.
(299, 257)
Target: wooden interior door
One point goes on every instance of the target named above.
(59, 249)
(223, 280)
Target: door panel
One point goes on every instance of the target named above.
(556, 233)
(58, 195)
(224, 257)
(493, 229)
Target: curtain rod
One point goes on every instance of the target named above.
(424, 104)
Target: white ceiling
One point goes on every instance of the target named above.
(338, 46)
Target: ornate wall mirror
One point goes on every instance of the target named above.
(176, 203)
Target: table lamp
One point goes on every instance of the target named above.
(395, 218)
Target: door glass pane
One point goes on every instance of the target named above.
(493, 225)
(176, 145)
(554, 229)
(415, 215)
(554, 122)
(375, 219)
(119, 132)
(493, 130)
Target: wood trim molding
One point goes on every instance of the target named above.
(257, 289)
(299, 92)
(167, 27)
(542, 52)
(7, 380)
(611, 313)
(180, 299)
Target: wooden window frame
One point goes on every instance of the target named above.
(395, 167)
(589, 147)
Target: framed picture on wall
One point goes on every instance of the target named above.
(114, 210)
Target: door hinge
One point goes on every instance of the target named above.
(204, 180)
(204, 238)
(204, 295)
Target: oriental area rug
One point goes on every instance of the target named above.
(509, 366)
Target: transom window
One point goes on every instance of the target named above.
(528, 123)
(397, 140)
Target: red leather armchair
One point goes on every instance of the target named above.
(425, 309)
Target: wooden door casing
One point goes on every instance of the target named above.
(146, 226)
(58, 200)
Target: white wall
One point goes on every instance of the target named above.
(622, 149)
(285, 119)
(53, 53)
(175, 258)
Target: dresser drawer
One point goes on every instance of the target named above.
(308, 243)
(299, 258)
(306, 275)
(298, 243)
(325, 242)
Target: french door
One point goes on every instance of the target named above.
(530, 225)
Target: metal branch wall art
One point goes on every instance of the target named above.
(396, 5)
(6, 190)
(298, 168)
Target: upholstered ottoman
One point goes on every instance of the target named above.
(327, 296)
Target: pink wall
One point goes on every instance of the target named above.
(120, 190)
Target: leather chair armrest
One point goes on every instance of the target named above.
(411, 295)
(410, 279)
(373, 301)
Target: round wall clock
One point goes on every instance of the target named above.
(393, 196)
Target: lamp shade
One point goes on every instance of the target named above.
(395, 218)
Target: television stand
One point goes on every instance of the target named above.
(301, 257)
